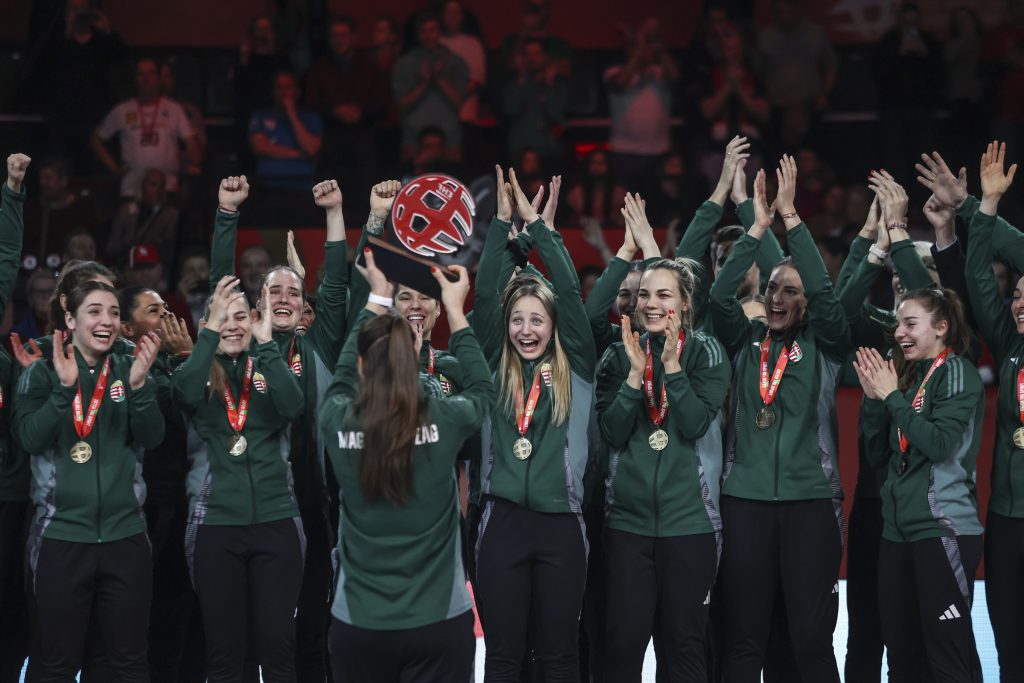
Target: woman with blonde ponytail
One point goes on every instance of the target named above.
(532, 549)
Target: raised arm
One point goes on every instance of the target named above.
(859, 247)
(189, 382)
(770, 253)
(41, 404)
(572, 323)
(697, 237)
(825, 315)
(991, 312)
(232, 192)
(12, 226)
(620, 396)
(287, 395)
(493, 266)
(327, 332)
(696, 397)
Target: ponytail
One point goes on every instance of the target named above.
(943, 304)
(388, 401)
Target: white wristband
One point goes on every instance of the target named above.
(379, 300)
(877, 252)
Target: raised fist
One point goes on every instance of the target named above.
(233, 191)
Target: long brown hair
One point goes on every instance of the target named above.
(510, 372)
(943, 304)
(389, 406)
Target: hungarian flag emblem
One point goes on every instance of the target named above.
(260, 382)
(296, 365)
(117, 391)
(545, 374)
(795, 354)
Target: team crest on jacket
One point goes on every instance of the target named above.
(296, 365)
(446, 385)
(795, 354)
(545, 373)
(260, 382)
(117, 392)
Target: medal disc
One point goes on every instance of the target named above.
(522, 449)
(237, 445)
(658, 440)
(765, 418)
(81, 452)
(1018, 438)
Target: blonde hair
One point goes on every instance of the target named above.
(510, 370)
(685, 271)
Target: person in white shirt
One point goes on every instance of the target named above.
(151, 130)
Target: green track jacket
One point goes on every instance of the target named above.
(673, 492)
(797, 457)
(257, 486)
(400, 567)
(99, 500)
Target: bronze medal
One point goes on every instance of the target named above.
(765, 418)
(81, 453)
(522, 449)
(1018, 438)
(658, 440)
(237, 445)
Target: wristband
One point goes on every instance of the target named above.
(896, 225)
(878, 252)
(226, 210)
(786, 216)
(379, 300)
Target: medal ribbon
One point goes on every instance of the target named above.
(1020, 393)
(431, 358)
(918, 404)
(237, 417)
(85, 423)
(524, 414)
(770, 389)
(294, 360)
(658, 414)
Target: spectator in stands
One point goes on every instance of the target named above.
(470, 50)
(285, 139)
(429, 83)
(38, 291)
(676, 194)
(340, 88)
(148, 218)
(639, 96)
(151, 130)
(253, 264)
(143, 268)
(74, 71)
(530, 171)
(58, 213)
(81, 246)
(536, 14)
(194, 282)
(384, 53)
(797, 65)
(534, 104)
(909, 71)
(592, 195)
(259, 60)
(431, 155)
(168, 86)
(733, 104)
(1004, 55)
(964, 86)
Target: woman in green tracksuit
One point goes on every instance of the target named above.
(872, 326)
(926, 423)
(531, 550)
(392, 446)
(244, 541)
(659, 405)
(781, 497)
(86, 420)
(1003, 330)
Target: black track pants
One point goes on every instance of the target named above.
(864, 644)
(793, 544)
(82, 586)
(1004, 590)
(442, 652)
(14, 629)
(524, 559)
(313, 616)
(663, 585)
(248, 579)
(925, 592)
